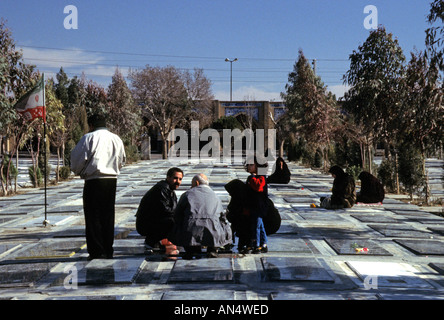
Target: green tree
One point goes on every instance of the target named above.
(96, 100)
(16, 78)
(55, 119)
(229, 122)
(199, 96)
(410, 168)
(61, 87)
(374, 99)
(123, 113)
(422, 120)
(312, 111)
(435, 34)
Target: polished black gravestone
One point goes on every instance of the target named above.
(356, 247)
(282, 242)
(437, 229)
(439, 267)
(400, 231)
(375, 218)
(202, 270)
(288, 227)
(64, 209)
(7, 248)
(423, 247)
(221, 295)
(295, 269)
(72, 232)
(51, 248)
(307, 200)
(320, 215)
(20, 275)
(430, 219)
(5, 220)
(16, 211)
(151, 270)
(110, 271)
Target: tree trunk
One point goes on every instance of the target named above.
(164, 148)
(425, 174)
(370, 169)
(396, 173)
(361, 146)
(281, 148)
(58, 165)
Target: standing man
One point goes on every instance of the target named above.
(155, 215)
(98, 158)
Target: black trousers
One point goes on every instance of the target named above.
(99, 197)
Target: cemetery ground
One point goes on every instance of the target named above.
(368, 252)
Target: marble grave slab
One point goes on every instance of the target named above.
(400, 231)
(51, 248)
(202, 270)
(110, 271)
(351, 247)
(388, 274)
(282, 242)
(19, 275)
(376, 218)
(295, 269)
(423, 247)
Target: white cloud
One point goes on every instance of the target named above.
(52, 58)
(74, 62)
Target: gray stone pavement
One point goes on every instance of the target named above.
(314, 255)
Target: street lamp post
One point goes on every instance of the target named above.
(231, 76)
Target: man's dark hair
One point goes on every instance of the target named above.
(97, 120)
(173, 170)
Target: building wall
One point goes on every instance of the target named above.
(259, 110)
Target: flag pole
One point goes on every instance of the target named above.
(45, 222)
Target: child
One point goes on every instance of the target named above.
(257, 206)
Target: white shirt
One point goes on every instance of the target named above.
(99, 154)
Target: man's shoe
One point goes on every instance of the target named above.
(245, 250)
(258, 250)
(101, 256)
(212, 254)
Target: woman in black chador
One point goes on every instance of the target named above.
(280, 174)
(343, 192)
(372, 190)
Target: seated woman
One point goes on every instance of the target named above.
(281, 173)
(372, 190)
(343, 192)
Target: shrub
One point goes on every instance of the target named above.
(36, 176)
(64, 172)
(387, 175)
(132, 153)
(354, 171)
(410, 168)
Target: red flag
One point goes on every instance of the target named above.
(32, 104)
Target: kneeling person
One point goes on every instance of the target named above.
(155, 215)
(200, 220)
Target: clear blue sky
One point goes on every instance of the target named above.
(264, 35)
